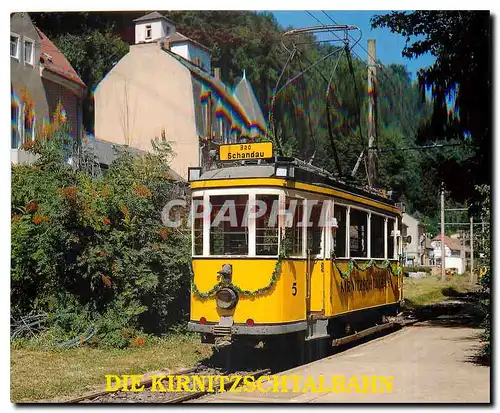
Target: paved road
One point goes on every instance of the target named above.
(429, 363)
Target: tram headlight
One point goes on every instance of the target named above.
(226, 298)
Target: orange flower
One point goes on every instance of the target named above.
(32, 207)
(70, 192)
(39, 219)
(106, 280)
(16, 217)
(142, 191)
(106, 221)
(102, 253)
(139, 342)
(105, 192)
(163, 233)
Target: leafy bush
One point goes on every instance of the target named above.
(93, 253)
(483, 239)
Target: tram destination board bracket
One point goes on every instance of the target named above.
(245, 151)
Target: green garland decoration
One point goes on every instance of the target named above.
(240, 291)
(277, 270)
(353, 264)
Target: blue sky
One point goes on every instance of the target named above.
(389, 45)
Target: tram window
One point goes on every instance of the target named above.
(390, 238)
(266, 227)
(314, 228)
(293, 233)
(198, 226)
(358, 233)
(339, 233)
(377, 236)
(229, 225)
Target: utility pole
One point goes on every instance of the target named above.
(443, 252)
(372, 114)
(471, 250)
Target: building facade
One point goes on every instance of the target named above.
(164, 89)
(41, 78)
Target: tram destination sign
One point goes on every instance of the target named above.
(242, 151)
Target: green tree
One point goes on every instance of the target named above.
(92, 54)
(461, 43)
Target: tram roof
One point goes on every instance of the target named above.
(303, 173)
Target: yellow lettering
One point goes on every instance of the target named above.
(284, 384)
(170, 383)
(236, 382)
(276, 384)
(125, 382)
(199, 383)
(338, 384)
(156, 383)
(210, 384)
(353, 386)
(369, 384)
(109, 380)
(222, 384)
(249, 384)
(310, 386)
(260, 380)
(182, 383)
(135, 380)
(296, 380)
(322, 388)
(387, 382)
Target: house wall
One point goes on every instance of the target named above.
(158, 29)
(25, 79)
(200, 54)
(189, 52)
(146, 92)
(181, 49)
(412, 249)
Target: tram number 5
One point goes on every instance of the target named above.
(294, 289)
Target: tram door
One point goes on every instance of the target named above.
(315, 274)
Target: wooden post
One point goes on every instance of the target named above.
(443, 252)
(372, 121)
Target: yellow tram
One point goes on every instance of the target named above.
(320, 261)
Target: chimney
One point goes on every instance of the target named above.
(217, 73)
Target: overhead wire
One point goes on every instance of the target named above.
(380, 66)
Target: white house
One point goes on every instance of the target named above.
(454, 253)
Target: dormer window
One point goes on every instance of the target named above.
(149, 32)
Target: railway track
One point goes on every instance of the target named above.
(203, 387)
(197, 388)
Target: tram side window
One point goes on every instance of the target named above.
(198, 226)
(293, 233)
(229, 225)
(390, 238)
(314, 228)
(339, 233)
(266, 226)
(377, 236)
(358, 233)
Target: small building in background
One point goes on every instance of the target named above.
(412, 231)
(166, 89)
(455, 253)
(41, 78)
